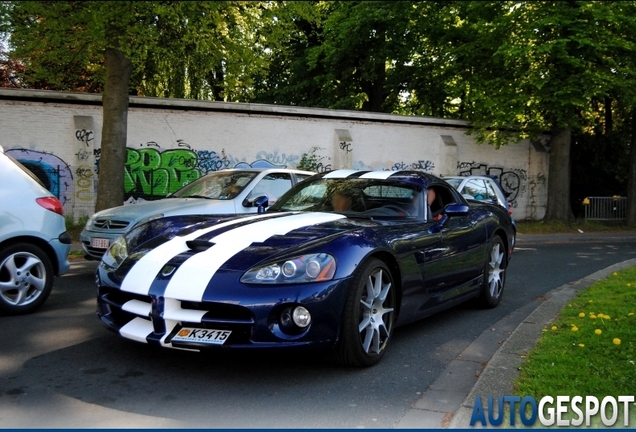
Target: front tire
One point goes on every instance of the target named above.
(368, 317)
(494, 274)
(26, 278)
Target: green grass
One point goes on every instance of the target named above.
(554, 227)
(590, 348)
(75, 228)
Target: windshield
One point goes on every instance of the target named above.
(371, 198)
(221, 185)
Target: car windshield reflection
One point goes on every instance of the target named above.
(219, 186)
(355, 197)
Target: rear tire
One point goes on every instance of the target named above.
(494, 274)
(26, 278)
(368, 317)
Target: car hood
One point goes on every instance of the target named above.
(168, 207)
(232, 244)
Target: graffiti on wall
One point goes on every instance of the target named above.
(152, 173)
(420, 165)
(513, 181)
(84, 173)
(280, 160)
(84, 136)
(345, 146)
(210, 161)
(537, 184)
(52, 171)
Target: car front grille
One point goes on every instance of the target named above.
(93, 251)
(218, 315)
(114, 224)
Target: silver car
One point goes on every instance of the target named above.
(233, 191)
(481, 188)
(34, 244)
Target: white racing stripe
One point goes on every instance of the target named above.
(382, 175)
(137, 329)
(143, 273)
(343, 173)
(192, 277)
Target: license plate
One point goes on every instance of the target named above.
(100, 243)
(207, 336)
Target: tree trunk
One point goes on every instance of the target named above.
(110, 186)
(609, 123)
(374, 88)
(559, 207)
(631, 178)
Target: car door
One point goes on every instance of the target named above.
(463, 248)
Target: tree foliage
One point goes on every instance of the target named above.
(515, 70)
(174, 49)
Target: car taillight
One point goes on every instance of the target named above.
(509, 208)
(51, 203)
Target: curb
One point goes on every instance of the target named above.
(503, 368)
(490, 364)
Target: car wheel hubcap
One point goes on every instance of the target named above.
(22, 278)
(376, 316)
(496, 271)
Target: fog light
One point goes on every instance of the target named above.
(301, 317)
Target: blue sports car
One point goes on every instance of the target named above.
(341, 260)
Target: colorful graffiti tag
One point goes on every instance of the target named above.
(52, 171)
(150, 173)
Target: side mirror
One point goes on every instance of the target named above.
(456, 210)
(261, 202)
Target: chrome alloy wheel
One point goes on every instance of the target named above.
(494, 276)
(375, 315)
(496, 271)
(22, 278)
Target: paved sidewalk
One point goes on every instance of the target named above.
(490, 364)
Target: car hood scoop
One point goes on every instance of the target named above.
(199, 245)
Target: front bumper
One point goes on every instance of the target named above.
(61, 247)
(252, 313)
(93, 252)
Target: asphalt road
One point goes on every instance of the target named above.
(60, 368)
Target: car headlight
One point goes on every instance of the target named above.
(116, 253)
(301, 269)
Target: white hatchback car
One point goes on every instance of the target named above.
(34, 244)
(232, 191)
(481, 188)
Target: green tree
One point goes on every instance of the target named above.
(341, 55)
(550, 61)
(174, 49)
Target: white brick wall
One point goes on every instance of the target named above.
(186, 139)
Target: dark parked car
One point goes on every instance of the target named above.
(340, 261)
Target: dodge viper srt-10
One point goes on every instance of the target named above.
(337, 264)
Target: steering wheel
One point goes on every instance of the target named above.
(397, 209)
